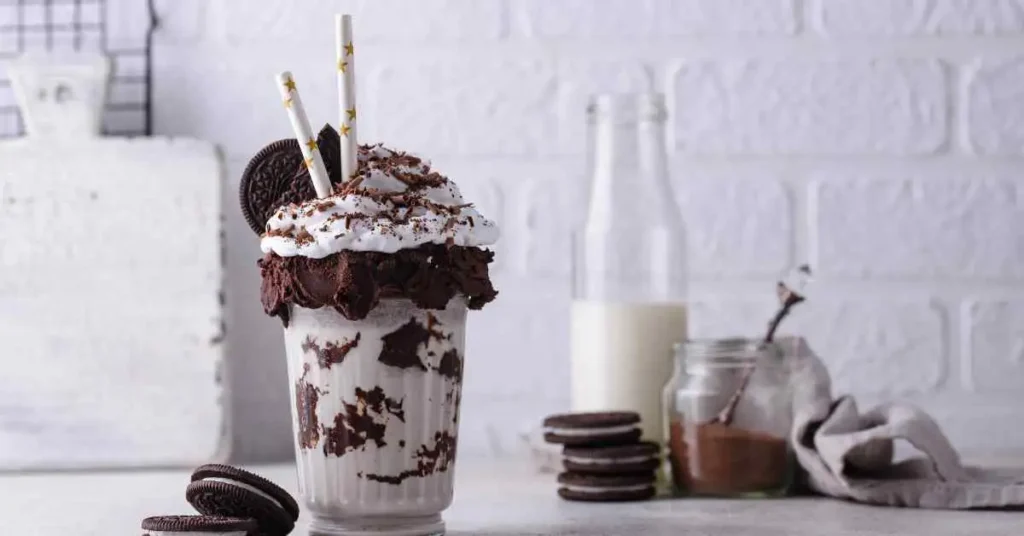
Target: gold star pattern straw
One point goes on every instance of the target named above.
(304, 134)
(344, 49)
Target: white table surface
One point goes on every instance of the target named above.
(490, 499)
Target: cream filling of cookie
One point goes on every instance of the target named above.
(243, 485)
(605, 489)
(583, 432)
(193, 533)
(606, 461)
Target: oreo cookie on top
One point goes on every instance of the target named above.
(277, 176)
(644, 457)
(606, 488)
(601, 428)
(205, 525)
(229, 491)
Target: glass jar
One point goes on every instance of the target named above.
(629, 264)
(717, 452)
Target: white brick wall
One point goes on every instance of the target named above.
(829, 107)
(879, 140)
(844, 18)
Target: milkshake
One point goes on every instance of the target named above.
(373, 285)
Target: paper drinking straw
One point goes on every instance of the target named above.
(346, 95)
(304, 134)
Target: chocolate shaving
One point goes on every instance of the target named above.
(352, 184)
(283, 231)
(404, 179)
(303, 237)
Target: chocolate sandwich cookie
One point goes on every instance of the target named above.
(229, 491)
(642, 457)
(277, 176)
(207, 525)
(603, 428)
(605, 488)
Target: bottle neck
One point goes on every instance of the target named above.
(632, 247)
(629, 170)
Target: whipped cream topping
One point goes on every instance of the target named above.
(394, 202)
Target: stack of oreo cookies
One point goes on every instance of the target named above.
(231, 502)
(603, 456)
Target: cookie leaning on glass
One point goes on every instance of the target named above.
(217, 489)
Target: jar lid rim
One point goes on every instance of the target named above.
(733, 348)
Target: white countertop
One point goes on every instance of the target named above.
(490, 499)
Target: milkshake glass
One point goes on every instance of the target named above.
(373, 284)
(375, 410)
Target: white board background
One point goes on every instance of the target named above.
(111, 337)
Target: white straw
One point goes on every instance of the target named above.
(344, 50)
(304, 134)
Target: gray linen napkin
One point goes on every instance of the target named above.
(848, 454)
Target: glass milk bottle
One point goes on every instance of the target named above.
(630, 265)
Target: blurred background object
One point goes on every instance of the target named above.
(111, 301)
(880, 142)
(123, 31)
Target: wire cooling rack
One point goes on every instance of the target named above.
(122, 29)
